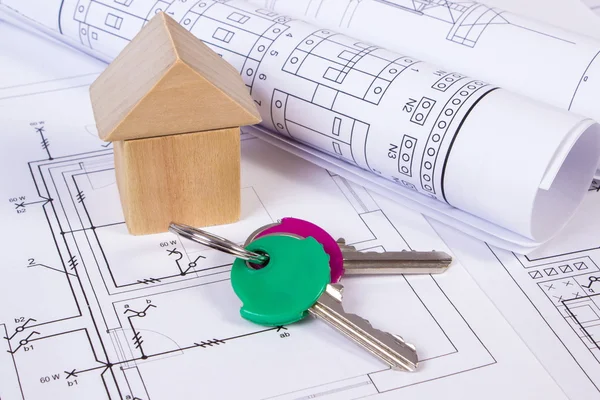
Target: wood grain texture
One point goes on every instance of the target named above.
(192, 179)
(165, 82)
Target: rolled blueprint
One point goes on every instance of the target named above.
(495, 164)
(524, 56)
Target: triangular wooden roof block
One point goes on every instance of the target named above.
(166, 81)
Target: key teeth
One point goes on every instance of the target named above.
(360, 321)
(388, 347)
(336, 290)
(400, 340)
(343, 246)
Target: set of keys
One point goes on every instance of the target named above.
(289, 270)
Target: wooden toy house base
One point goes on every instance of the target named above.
(191, 178)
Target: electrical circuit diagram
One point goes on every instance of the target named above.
(103, 314)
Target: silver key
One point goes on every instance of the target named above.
(392, 262)
(391, 349)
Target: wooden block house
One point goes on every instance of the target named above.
(173, 109)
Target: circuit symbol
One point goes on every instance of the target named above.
(44, 141)
(137, 336)
(140, 314)
(23, 342)
(45, 144)
(149, 281)
(20, 328)
(73, 262)
(71, 374)
(137, 340)
(174, 251)
(22, 206)
(210, 343)
(592, 280)
(179, 255)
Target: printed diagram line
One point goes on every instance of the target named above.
(467, 20)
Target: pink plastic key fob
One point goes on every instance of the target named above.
(306, 229)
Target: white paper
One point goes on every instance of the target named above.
(387, 113)
(594, 5)
(90, 312)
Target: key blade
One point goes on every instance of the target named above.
(395, 262)
(391, 349)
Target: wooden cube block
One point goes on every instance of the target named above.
(191, 178)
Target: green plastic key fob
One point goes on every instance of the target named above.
(281, 292)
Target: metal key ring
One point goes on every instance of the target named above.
(217, 243)
(252, 265)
